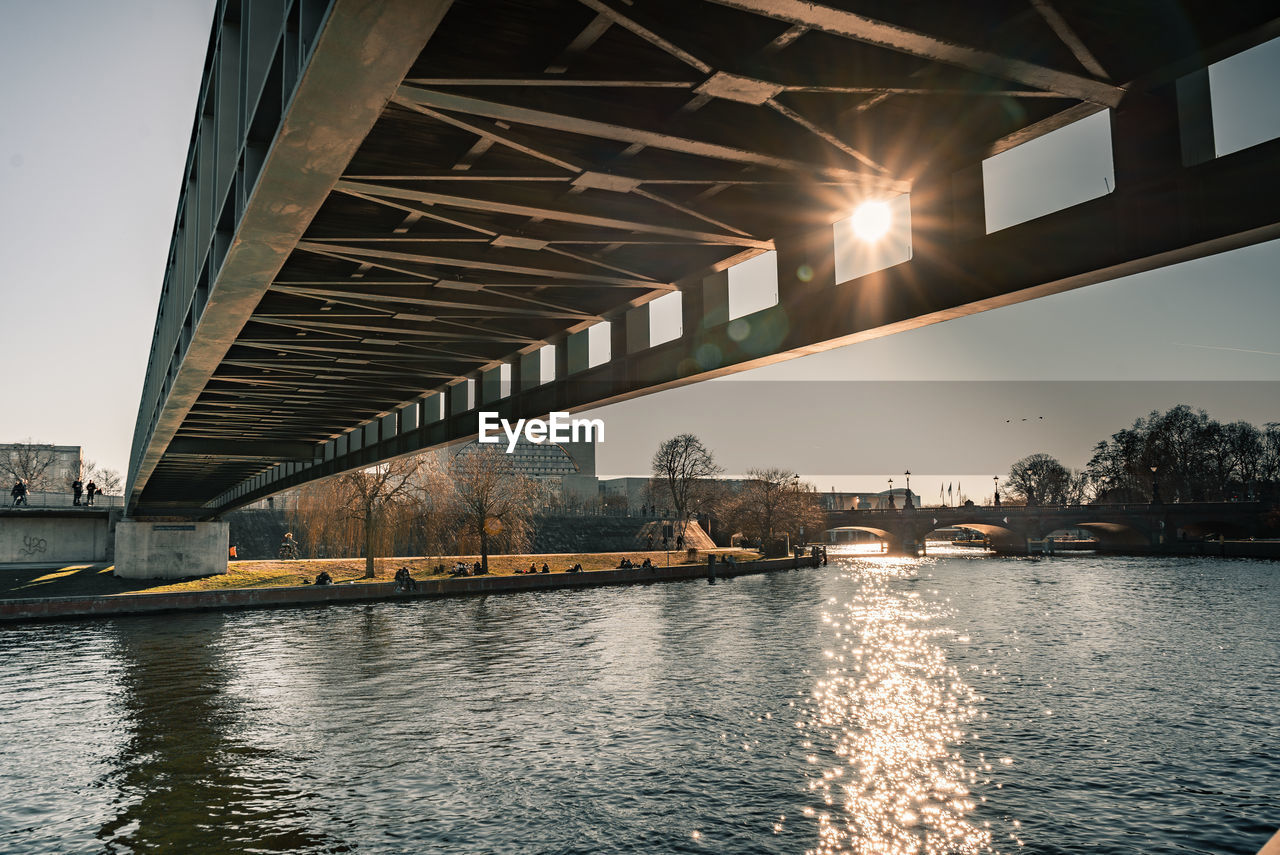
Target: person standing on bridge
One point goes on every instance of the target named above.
(19, 493)
(77, 489)
(90, 490)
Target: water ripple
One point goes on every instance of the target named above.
(948, 705)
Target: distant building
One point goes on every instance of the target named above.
(568, 468)
(630, 493)
(834, 501)
(49, 468)
(626, 494)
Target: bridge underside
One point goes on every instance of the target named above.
(447, 188)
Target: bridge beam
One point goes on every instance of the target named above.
(1166, 214)
(362, 53)
(393, 322)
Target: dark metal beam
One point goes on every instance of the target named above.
(276, 450)
(1069, 38)
(869, 30)
(583, 216)
(634, 136)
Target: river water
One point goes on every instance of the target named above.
(951, 704)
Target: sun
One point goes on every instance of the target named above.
(871, 220)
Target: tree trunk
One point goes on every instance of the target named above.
(370, 523)
(484, 549)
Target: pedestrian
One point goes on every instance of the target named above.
(90, 490)
(19, 493)
(77, 489)
(679, 542)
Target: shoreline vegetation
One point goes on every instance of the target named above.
(99, 580)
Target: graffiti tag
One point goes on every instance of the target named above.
(33, 545)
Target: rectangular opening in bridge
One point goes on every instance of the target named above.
(462, 397)
(666, 318)
(538, 367)
(1245, 102)
(1065, 167)
(496, 383)
(753, 285)
(589, 348)
(875, 235)
(599, 344)
(432, 409)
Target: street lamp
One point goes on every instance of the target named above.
(795, 487)
(891, 493)
(906, 502)
(995, 481)
(1155, 487)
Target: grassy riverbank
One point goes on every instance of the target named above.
(98, 580)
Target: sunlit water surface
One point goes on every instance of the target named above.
(952, 704)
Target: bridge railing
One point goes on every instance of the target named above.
(1040, 510)
(62, 500)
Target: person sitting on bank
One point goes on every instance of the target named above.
(324, 578)
(477, 569)
(405, 580)
(545, 568)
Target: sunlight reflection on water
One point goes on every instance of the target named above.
(961, 703)
(884, 725)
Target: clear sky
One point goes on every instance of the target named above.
(96, 106)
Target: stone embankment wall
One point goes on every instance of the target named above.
(122, 604)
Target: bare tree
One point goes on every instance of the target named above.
(33, 463)
(317, 517)
(681, 467)
(106, 480)
(432, 518)
(375, 497)
(772, 503)
(493, 502)
(1040, 479)
(359, 510)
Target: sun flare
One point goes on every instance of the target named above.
(871, 220)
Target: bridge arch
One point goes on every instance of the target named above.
(893, 541)
(1111, 535)
(1117, 530)
(1002, 538)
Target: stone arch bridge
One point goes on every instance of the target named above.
(1012, 530)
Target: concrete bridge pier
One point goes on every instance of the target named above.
(168, 549)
